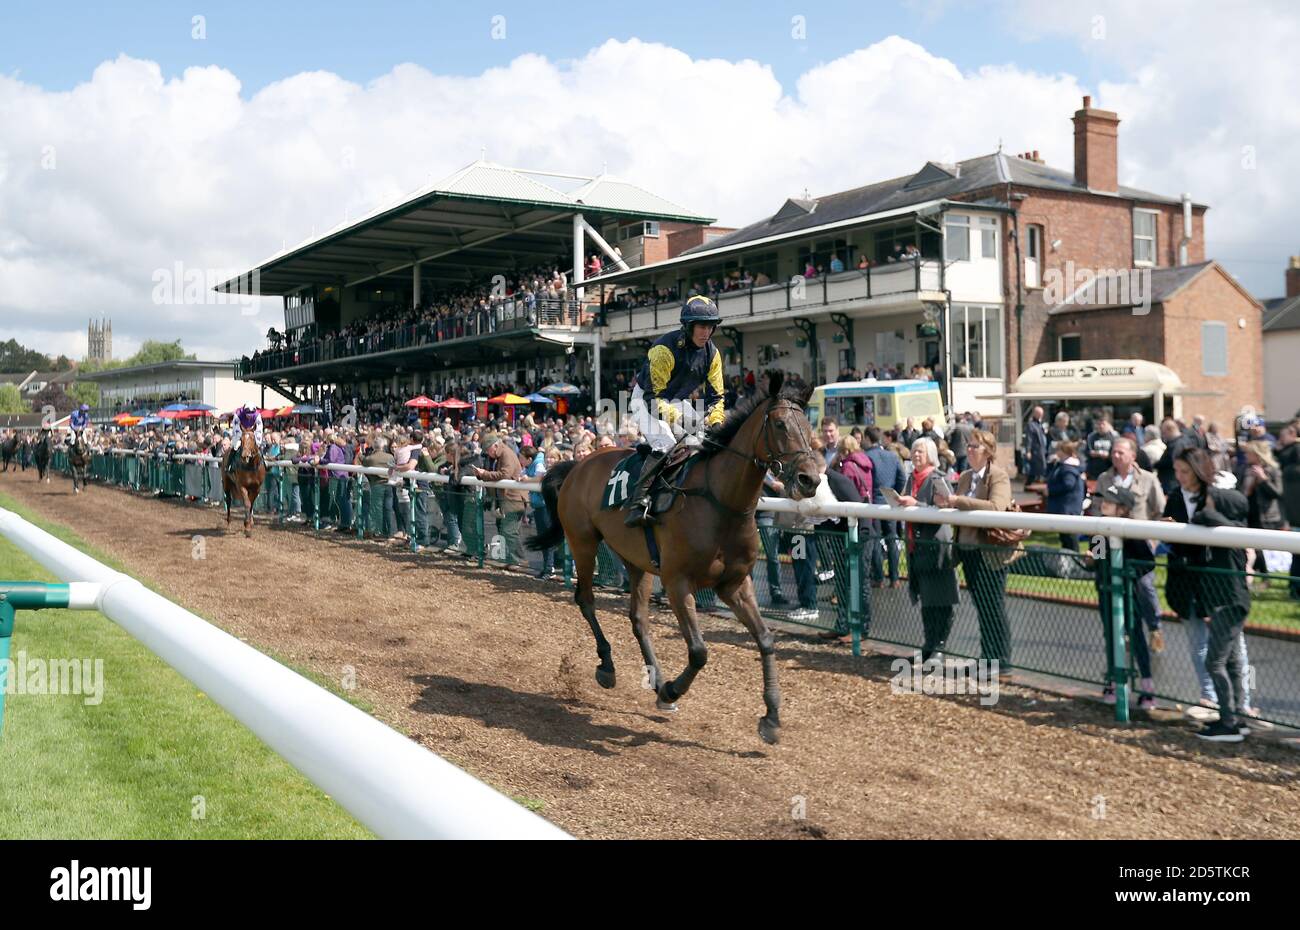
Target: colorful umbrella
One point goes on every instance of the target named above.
(421, 401)
(539, 399)
(285, 411)
(125, 419)
(201, 407)
(307, 409)
(454, 403)
(507, 399)
(561, 387)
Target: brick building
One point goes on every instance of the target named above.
(978, 269)
(1282, 349)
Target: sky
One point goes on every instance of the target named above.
(144, 142)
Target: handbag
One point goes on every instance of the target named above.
(1000, 536)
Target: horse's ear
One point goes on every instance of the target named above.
(775, 379)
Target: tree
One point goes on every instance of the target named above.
(55, 396)
(11, 400)
(153, 352)
(19, 358)
(85, 392)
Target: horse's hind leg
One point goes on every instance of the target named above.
(584, 595)
(639, 613)
(740, 598)
(683, 603)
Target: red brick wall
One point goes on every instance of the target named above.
(1096, 232)
(1213, 296)
(1114, 333)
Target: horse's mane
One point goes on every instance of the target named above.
(724, 432)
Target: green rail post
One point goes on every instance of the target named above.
(480, 521)
(358, 515)
(1118, 627)
(411, 490)
(15, 596)
(567, 562)
(855, 585)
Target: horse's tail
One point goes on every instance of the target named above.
(550, 494)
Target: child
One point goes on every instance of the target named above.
(1119, 502)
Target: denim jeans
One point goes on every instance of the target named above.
(1225, 661)
(542, 519)
(1198, 643)
(770, 537)
(805, 570)
(886, 531)
(1146, 602)
(341, 501)
(451, 505)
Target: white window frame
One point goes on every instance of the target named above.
(1205, 361)
(953, 222)
(1154, 238)
(1060, 345)
(988, 224)
(1033, 256)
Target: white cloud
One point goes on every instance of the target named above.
(148, 171)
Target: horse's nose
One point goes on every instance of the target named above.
(807, 484)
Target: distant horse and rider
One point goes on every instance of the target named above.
(14, 449)
(42, 450)
(78, 461)
(242, 476)
(706, 538)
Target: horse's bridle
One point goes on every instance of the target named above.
(781, 465)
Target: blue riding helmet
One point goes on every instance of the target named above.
(700, 309)
(85, 408)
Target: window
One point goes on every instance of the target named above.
(637, 230)
(957, 237)
(976, 340)
(1033, 256)
(1214, 349)
(1069, 348)
(988, 227)
(1144, 237)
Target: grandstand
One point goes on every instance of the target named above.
(477, 277)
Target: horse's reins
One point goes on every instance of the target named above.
(784, 462)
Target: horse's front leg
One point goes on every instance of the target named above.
(248, 511)
(682, 600)
(739, 596)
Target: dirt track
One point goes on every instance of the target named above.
(495, 672)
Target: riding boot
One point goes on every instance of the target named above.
(639, 501)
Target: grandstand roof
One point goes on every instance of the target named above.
(481, 219)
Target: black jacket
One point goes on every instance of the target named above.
(1191, 589)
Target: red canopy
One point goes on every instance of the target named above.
(421, 401)
(453, 403)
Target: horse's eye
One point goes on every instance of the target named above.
(780, 424)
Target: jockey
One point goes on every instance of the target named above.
(79, 420)
(677, 366)
(245, 418)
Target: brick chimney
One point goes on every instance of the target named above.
(1293, 277)
(1096, 148)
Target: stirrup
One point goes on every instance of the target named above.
(639, 514)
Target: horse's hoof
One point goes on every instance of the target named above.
(605, 679)
(665, 707)
(770, 732)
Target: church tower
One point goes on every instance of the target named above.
(99, 341)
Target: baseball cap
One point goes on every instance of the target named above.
(1120, 496)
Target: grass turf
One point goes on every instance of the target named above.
(147, 760)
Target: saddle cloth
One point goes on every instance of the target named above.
(625, 474)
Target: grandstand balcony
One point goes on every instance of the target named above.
(883, 289)
(509, 326)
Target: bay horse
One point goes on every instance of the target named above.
(245, 482)
(10, 449)
(41, 450)
(706, 539)
(78, 459)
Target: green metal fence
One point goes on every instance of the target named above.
(1047, 612)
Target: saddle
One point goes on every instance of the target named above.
(665, 490)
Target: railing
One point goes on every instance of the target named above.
(1052, 600)
(391, 784)
(505, 316)
(797, 294)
